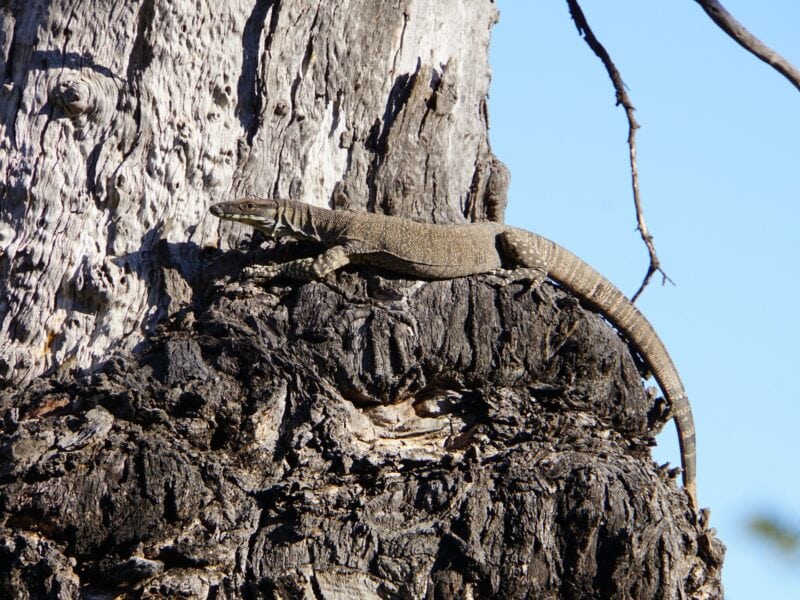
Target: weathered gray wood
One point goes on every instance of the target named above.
(362, 437)
(121, 122)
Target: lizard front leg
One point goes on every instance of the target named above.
(526, 262)
(303, 269)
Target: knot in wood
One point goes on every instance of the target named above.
(74, 96)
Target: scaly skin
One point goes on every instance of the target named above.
(433, 251)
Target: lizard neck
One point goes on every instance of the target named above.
(301, 221)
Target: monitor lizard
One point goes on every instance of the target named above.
(437, 251)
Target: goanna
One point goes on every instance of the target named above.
(433, 251)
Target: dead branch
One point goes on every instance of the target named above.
(748, 41)
(622, 99)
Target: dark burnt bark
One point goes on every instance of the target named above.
(368, 436)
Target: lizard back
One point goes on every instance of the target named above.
(428, 250)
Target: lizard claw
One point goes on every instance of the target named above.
(495, 279)
(260, 272)
(533, 276)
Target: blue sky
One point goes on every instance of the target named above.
(719, 161)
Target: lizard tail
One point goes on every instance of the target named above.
(594, 289)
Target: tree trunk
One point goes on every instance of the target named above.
(366, 436)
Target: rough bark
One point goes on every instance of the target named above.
(121, 122)
(362, 437)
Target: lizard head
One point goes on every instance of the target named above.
(259, 213)
(276, 218)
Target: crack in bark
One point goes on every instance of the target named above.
(142, 52)
(249, 99)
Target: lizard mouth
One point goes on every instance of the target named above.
(223, 211)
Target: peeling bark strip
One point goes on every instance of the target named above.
(384, 439)
(121, 122)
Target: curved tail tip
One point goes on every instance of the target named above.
(691, 490)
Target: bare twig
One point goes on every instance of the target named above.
(748, 41)
(622, 99)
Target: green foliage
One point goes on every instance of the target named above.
(776, 532)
